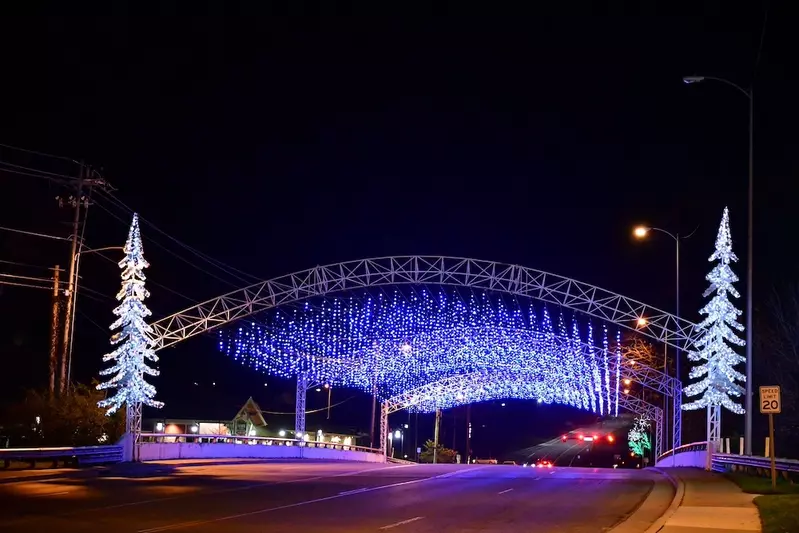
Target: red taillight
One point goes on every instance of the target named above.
(610, 438)
(549, 465)
(596, 437)
(580, 437)
(563, 438)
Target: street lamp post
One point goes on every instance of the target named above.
(641, 232)
(749, 255)
(69, 328)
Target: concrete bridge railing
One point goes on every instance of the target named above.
(162, 446)
(694, 454)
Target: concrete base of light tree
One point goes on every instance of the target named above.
(159, 451)
(126, 441)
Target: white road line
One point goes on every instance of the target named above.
(181, 525)
(203, 493)
(408, 521)
(504, 491)
(245, 487)
(354, 491)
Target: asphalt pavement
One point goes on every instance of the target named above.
(249, 496)
(573, 452)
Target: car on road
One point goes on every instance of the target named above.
(593, 437)
(512, 463)
(543, 463)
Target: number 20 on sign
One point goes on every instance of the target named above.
(770, 400)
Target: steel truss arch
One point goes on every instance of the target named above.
(425, 270)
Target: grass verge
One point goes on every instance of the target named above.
(762, 485)
(779, 513)
(779, 509)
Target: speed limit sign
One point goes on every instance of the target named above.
(770, 400)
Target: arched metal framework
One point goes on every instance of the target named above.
(449, 271)
(424, 270)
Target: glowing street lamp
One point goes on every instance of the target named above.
(640, 231)
(749, 93)
(642, 322)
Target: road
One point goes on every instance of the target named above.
(578, 453)
(326, 497)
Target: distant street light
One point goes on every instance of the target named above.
(642, 232)
(749, 255)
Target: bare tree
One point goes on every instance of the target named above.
(641, 351)
(778, 357)
(636, 348)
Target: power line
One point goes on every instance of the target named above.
(214, 262)
(26, 265)
(89, 319)
(10, 171)
(28, 285)
(187, 261)
(150, 282)
(27, 278)
(27, 150)
(37, 172)
(34, 234)
(228, 269)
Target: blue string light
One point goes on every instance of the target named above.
(399, 343)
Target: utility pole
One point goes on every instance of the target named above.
(83, 182)
(75, 202)
(468, 433)
(54, 329)
(435, 436)
(372, 426)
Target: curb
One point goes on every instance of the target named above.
(679, 494)
(639, 514)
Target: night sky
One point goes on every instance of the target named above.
(275, 144)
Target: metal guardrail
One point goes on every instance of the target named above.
(83, 455)
(250, 441)
(724, 462)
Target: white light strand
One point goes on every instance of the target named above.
(134, 339)
(399, 343)
(715, 347)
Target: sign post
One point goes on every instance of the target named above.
(771, 404)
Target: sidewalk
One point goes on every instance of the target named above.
(711, 504)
